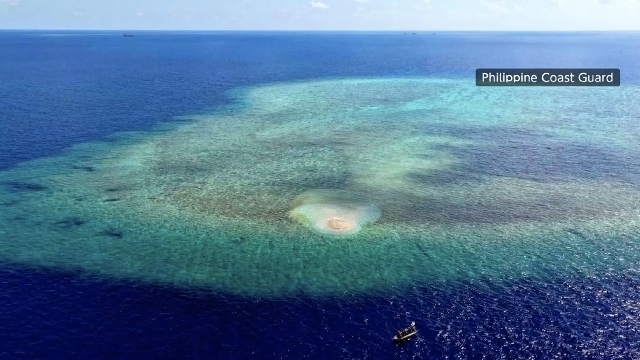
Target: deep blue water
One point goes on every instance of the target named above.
(70, 88)
(46, 314)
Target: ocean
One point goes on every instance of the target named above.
(306, 194)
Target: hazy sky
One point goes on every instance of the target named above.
(322, 14)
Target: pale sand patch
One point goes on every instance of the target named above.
(339, 224)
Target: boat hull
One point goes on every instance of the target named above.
(405, 337)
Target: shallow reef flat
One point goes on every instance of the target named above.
(344, 186)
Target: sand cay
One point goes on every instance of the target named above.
(339, 224)
(334, 211)
(336, 219)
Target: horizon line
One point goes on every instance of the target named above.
(308, 30)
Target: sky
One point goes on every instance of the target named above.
(368, 15)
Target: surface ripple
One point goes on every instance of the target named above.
(50, 314)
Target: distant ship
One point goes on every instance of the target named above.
(127, 35)
(406, 334)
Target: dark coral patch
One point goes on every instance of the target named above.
(577, 233)
(16, 186)
(84, 167)
(112, 233)
(69, 223)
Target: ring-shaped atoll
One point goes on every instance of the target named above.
(344, 186)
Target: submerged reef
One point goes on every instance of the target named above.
(353, 185)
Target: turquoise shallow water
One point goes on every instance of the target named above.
(467, 184)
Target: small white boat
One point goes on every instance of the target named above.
(406, 334)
